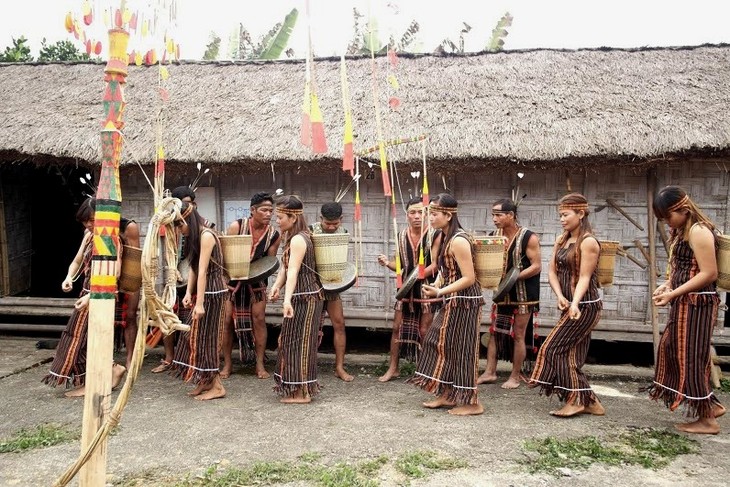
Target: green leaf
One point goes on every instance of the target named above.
(281, 39)
(496, 42)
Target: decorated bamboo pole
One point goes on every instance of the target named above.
(105, 259)
(425, 222)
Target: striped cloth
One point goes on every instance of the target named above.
(562, 355)
(296, 362)
(197, 357)
(682, 374)
(449, 361)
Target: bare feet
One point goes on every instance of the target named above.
(226, 371)
(703, 426)
(467, 410)
(389, 374)
(200, 388)
(215, 391)
(511, 383)
(569, 410)
(118, 372)
(439, 402)
(164, 365)
(261, 372)
(487, 378)
(719, 410)
(297, 398)
(342, 374)
(78, 392)
(596, 409)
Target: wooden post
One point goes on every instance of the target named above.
(650, 190)
(4, 260)
(386, 250)
(97, 400)
(663, 234)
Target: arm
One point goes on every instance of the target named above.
(462, 253)
(702, 243)
(589, 251)
(280, 280)
(207, 242)
(533, 254)
(296, 257)
(555, 282)
(274, 247)
(75, 265)
(432, 268)
(383, 261)
(233, 228)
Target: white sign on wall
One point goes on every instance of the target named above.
(233, 210)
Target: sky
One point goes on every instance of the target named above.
(566, 24)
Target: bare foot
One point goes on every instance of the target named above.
(164, 365)
(467, 410)
(719, 410)
(226, 371)
(439, 402)
(569, 410)
(217, 391)
(261, 372)
(118, 372)
(511, 383)
(703, 426)
(487, 378)
(296, 399)
(596, 409)
(199, 389)
(389, 374)
(78, 392)
(342, 374)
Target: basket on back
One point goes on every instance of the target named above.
(130, 276)
(330, 254)
(236, 251)
(607, 262)
(489, 257)
(723, 262)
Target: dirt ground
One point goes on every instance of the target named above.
(165, 433)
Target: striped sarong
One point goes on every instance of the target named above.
(69, 363)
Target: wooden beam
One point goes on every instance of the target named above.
(650, 190)
(618, 208)
(663, 234)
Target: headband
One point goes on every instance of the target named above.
(573, 206)
(289, 211)
(444, 209)
(678, 204)
(186, 213)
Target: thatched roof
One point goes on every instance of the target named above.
(532, 107)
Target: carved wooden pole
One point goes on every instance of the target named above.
(104, 262)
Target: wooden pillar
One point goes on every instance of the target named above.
(651, 223)
(4, 259)
(386, 250)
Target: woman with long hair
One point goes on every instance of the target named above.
(449, 361)
(573, 279)
(196, 356)
(682, 373)
(295, 375)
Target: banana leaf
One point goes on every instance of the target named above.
(279, 42)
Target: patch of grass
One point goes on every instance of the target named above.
(651, 448)
(39, 436)
(406, 368)
(416, 465)
(724, 385)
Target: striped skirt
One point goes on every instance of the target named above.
(448, 364)
(196, 355)
(682, 374)
(502, 332)
(243, 298)
(69, 363)
(562, 355)
(296, 363)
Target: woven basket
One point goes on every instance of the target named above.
(330, 254)
(130, 277)
(723, 262)
(236, 255)
(489, 257)
(607, 262)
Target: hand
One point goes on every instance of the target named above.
(429, 291)
(188, 300)
(288, 310)
(198, 311)
(82, 302)
(563, 303)
(274, 294)
(662, 299)
(664, 288)
(383, 260)
(574, 312)
(67, 284)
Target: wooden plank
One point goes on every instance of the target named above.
(35, 311)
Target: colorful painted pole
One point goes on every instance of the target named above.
(105, 262)
(425, 223)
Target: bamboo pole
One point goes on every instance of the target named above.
(663, 234)
(618, 208)
(646, 255)
(104, 261)
(650, 190)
